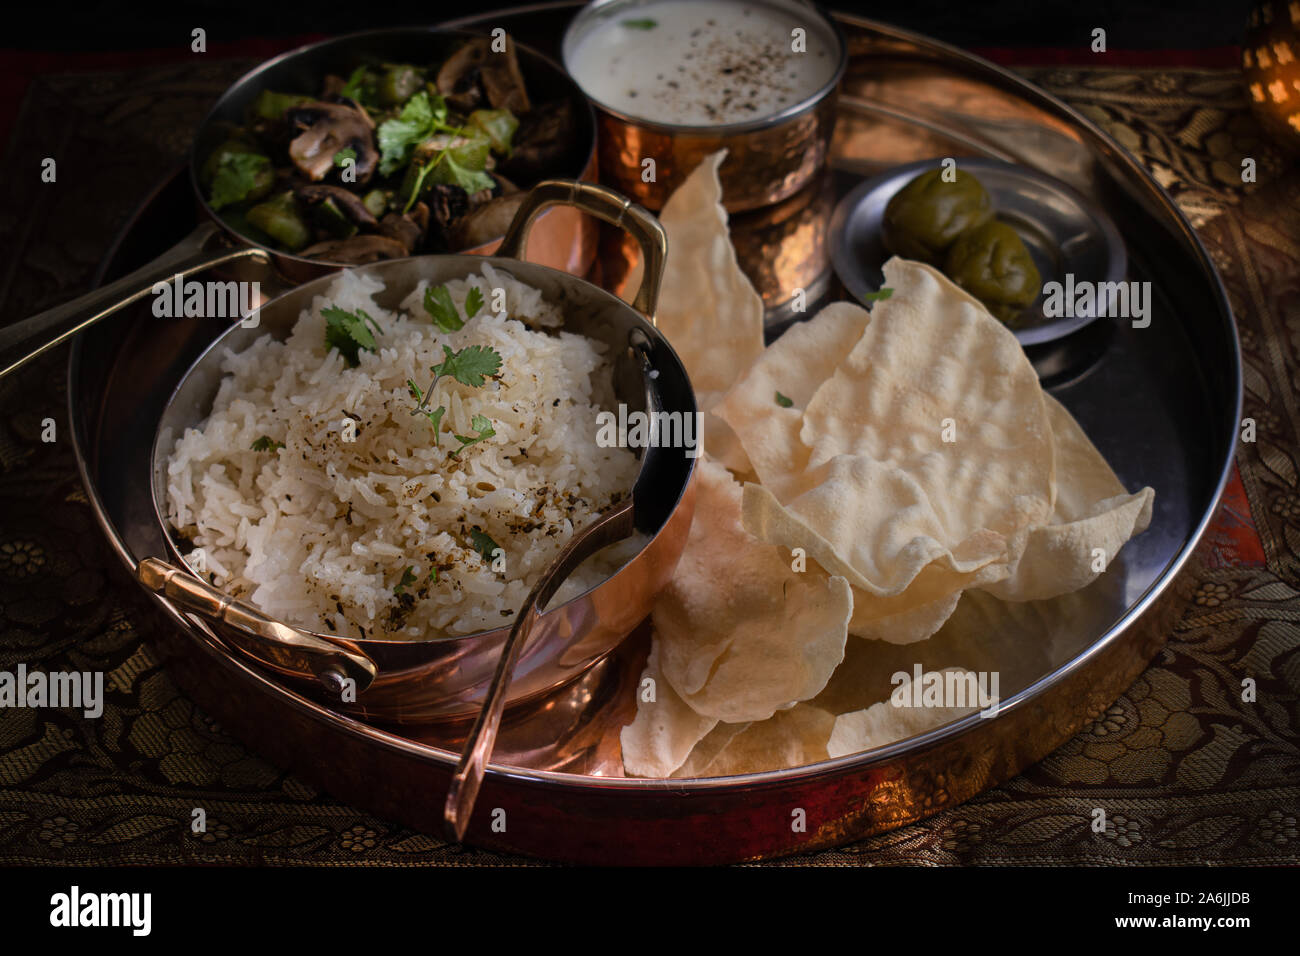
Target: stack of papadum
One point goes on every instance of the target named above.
(916, 461)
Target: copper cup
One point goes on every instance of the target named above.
(768, 159)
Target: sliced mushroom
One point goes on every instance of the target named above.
(348, 202)
(356, 251)
(420, 215)
(332, 86)
(544, 138)
(476, 65)
(403, 229)
(504, 81)
(489, 221)
(459, 80)
(326, 128)
(446, 205)
(469, 98)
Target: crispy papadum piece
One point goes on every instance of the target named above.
(665, 729)
(883, 723)
(740, 634)
(796, 365)
(1094, 513)
(708, 309)
(789, 738)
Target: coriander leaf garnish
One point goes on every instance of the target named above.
(360, 87)
(481, 542)
(473, 301)
(415, 178)
(433, 575)
(343, 155)
(437, 302)
(238, 175)
(408, 578)
(880, 296)
(471, 365)
(784, 400)
(484, 429)
(435, 419)
(435, 416)
(458, 158)
(398, 137)
(420, 118)
(349, 332)
(266, 443)
(463, 166)
(644, 23)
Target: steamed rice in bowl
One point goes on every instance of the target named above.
(392, 536)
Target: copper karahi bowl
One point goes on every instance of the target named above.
(447, 677)
(768, 159)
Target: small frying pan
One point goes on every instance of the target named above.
(564, 239)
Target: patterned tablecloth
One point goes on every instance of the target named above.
(1187, 771)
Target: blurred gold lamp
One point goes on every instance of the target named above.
(1270, 58)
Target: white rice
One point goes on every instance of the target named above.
(319, 533)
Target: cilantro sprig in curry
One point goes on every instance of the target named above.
(390, 159)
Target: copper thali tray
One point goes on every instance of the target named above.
(1161, 403)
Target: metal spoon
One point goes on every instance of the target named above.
(616, 523)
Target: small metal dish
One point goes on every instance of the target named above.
(1064, 232)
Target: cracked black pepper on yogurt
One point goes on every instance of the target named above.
(703, 62)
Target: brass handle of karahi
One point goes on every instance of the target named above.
(331, 663)
(615, 524)
(603, 203)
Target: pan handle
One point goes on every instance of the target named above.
(330, 662)
(615, 524)
(604, 204)
(23, 341)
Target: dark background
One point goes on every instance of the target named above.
(1138, 24)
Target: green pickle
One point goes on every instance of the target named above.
(927, 215)
(992, 264)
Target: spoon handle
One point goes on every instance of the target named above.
(614, 525)
(24, 340)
